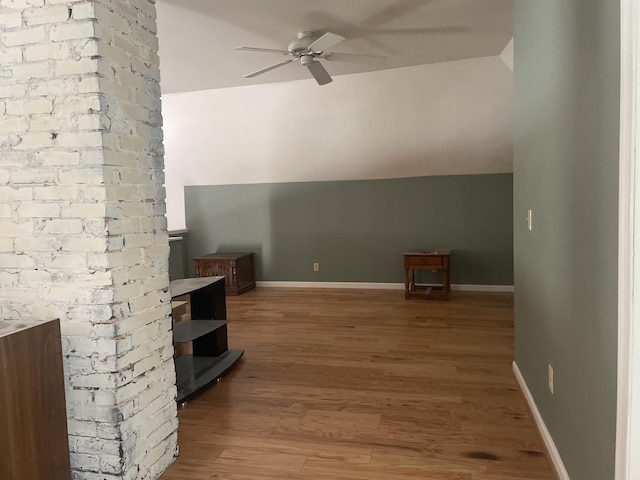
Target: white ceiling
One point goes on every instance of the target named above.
(197, 37)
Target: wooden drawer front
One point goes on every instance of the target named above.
(431, 261)
(204, 269)
(217, 268)
(237, 270)
(227, 270)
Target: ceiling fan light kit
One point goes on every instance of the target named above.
(310, 48)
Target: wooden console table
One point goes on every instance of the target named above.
(426, 260)
(236, 268)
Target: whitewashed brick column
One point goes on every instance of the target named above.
(82, 227)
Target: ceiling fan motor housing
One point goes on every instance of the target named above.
(306, 60)
(301, 44)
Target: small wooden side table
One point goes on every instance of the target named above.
(426, 260)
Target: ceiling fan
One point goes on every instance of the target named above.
(309, 48)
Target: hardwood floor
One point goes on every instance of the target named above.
(363, 384)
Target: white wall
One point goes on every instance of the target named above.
(444, 119)
(507, 55)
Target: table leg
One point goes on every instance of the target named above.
(412, 279)
(446, 280)
(407, 295)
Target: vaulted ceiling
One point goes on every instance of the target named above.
(198, 37)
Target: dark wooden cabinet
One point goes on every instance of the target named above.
(33, 417)
(236, 268)
(206, 331)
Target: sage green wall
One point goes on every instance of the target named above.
(177, 257)
(357, 230)
(566, 170)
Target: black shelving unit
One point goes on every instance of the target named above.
(207, 329)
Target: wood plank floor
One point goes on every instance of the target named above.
(363, 384)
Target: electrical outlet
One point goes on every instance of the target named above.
(529, 219)
(550, 378)
(316, 267)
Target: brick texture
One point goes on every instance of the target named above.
(82, 229)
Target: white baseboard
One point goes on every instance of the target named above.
(382, 286)
(482, 288)
(378, 286)
(550, 445)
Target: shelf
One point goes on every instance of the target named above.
(189, 285)
(190, 330)
(195, 373)
(211, 357)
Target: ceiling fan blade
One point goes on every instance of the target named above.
(325, 42)
(268, 69)
(319, 73)
(355, 58)
(262, 50)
